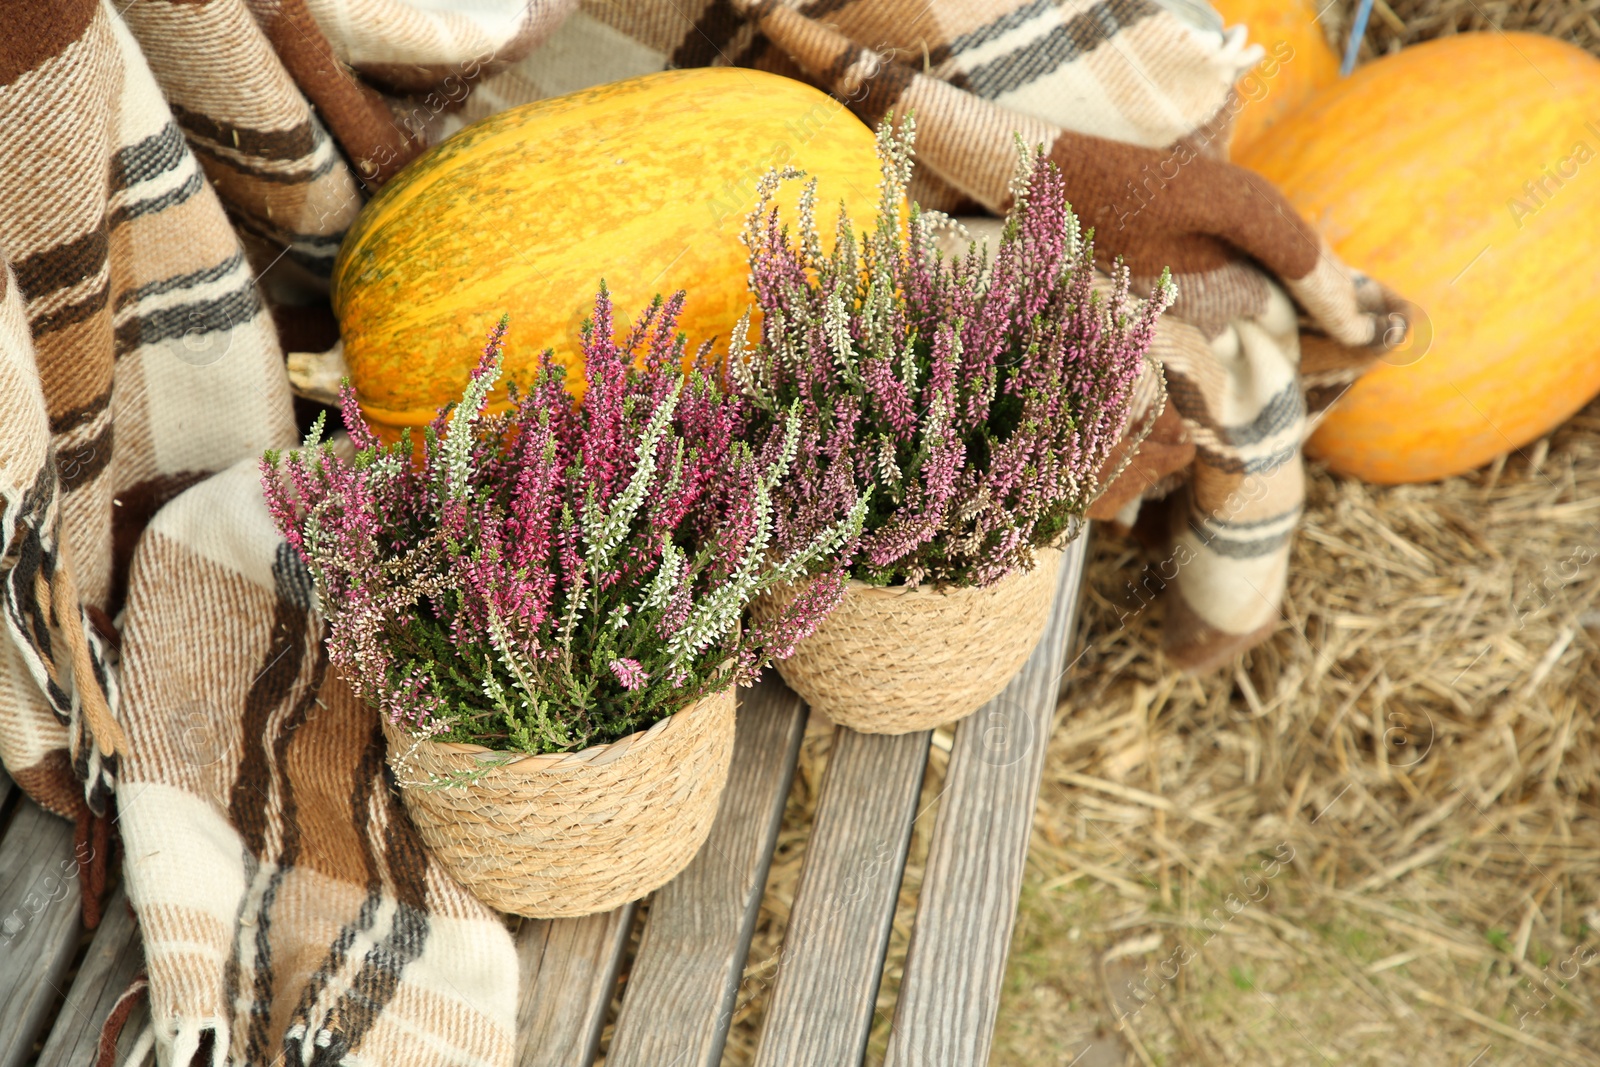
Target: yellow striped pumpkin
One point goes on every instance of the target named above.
(643, 183)
(1297, 65)
(1461, 172)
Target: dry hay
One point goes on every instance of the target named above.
(1419, 736)
(1396, 23)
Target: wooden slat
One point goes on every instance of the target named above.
(115, 956)
(956, 958)
(684, 981)
(568, 972)
(821, 1006)
(39, 924)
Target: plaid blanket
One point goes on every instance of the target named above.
(138, 359)
(165, 164)
(287, 905)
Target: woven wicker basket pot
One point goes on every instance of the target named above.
(894, 660)
(557, 836)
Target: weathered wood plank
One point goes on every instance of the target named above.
(821, 1006)
(39, 924)
(956, 959)
(684, 981)
(568, 971)
(115, 956)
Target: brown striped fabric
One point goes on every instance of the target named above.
(156, 159)
(257, 138)
(290, 913)
(140, 359)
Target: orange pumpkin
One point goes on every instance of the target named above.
(644, 183)
(1464, 173)
(1298, 62)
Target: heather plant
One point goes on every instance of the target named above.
(975, 402)
(556, 575)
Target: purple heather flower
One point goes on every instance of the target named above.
(629, 673)
(559, 574)
(975, 400)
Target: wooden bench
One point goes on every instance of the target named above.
(683, 984)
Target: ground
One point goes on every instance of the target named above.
(1416, 745)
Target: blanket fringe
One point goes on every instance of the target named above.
(111, 1031)
(108, 735)
(92, 844)
(143, 1047)
(193, 1034)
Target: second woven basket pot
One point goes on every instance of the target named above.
(894, 660)
(557, 836)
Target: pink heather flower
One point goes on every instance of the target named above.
(974, 400)
(816, 600)
(527, 582)
(629, 673)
